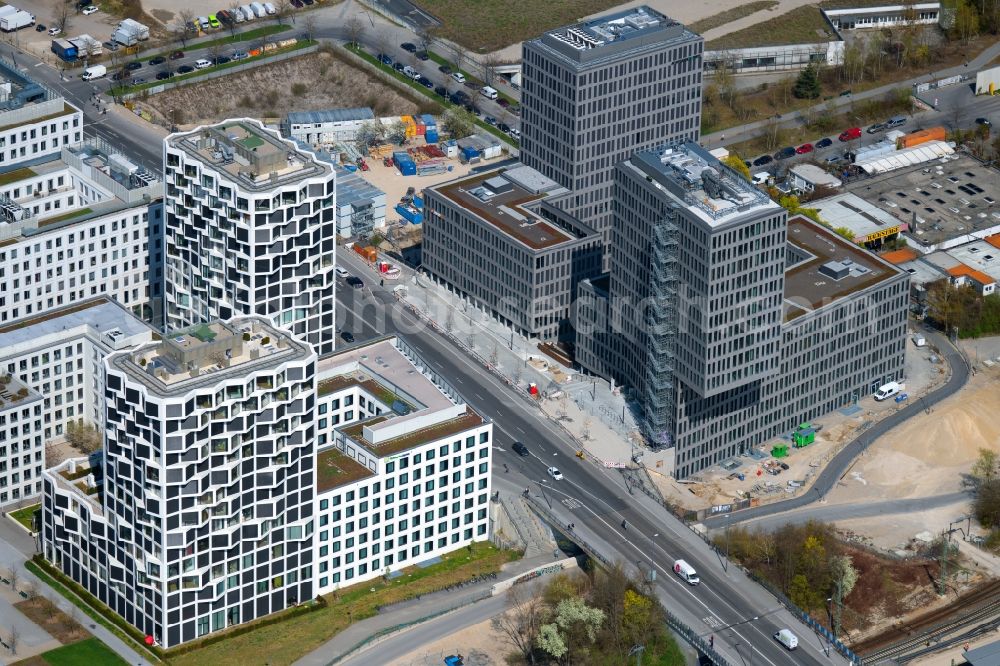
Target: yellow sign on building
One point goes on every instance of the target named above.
(881, 234)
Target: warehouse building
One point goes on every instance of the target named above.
(750, 323)
(501, 239)
(321, 128)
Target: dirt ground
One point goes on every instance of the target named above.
(478, 644)
(720, 486)
(267, 91)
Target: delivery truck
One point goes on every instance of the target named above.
(686, 572)
(888, 390)
(16, 20)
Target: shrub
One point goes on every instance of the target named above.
(299, 89)
(266, 340)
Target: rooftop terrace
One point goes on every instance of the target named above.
(710, 189)
(334, 468)
(207, 353)
(944, 203)
(256, 157)
(503, 198)
(825, 268)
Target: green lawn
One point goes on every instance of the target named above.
(125, 90)
(488, 25)
(284, 642)
(426, 92)
(803, 25)
(65, 216)
(247, 36)
(730, 15)
(24, 515)
(89, 652)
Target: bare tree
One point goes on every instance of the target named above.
(13, 575)
(183, 32)
(215, 52)
(458, 56)
(63, 16)
(489, 63)
(29, 589)
(14, 638)
(449, 321)
(520, 624)
(309, 25)
(282, 9)
(354, 28)
(587, 424)
(234, 8)
(381, 41)
(424, 39)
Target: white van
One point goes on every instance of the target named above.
(888, 390)
(258, 9)
(247, 12)
(202, 64)
(895, 121)
(761, 178)
(269, 8)
(488, 93)
(458, 76)
(95, 72)
(203, 23)
(787, 638)
(410, 72)
(686, 572)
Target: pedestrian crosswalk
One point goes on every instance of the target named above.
(571, 503)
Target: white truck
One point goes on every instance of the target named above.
(258, 9)
(94, 72)
(888, 390)
(16, 20)
(787, 638)
(686, 572)
(248, 12)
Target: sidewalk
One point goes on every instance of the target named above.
(411, 612)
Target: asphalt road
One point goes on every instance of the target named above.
(841, 462)
(589, 495)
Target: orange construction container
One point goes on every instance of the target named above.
(411, 126)
(421, 129)
(923, 136)
(368, 253)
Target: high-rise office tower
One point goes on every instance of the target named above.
(730, 323)
(596, 92)
(249, 229)
(205, 517)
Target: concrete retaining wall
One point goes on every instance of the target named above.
(546, 569)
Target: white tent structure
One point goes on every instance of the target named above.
(924, 152)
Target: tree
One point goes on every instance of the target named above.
(215, 52)
(458, 122)
(84, 437)
(966, 21)
(396, 133)
(13, 574)
(987, 504)
(309, 26)
(551, 641)
(381, 41)
(458, 56)
(282, 9)
(842, 570)
(63, 17)
(520, 624)
(735, 162)
(371, 133)
(13, 639)
(984, 470)
(182, 31)
(234, 8)
(489, 64)
(945, 304)
(355, 29)
(807, 86)
(575, 627)
(424, 39)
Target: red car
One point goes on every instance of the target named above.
(853, 133)
(804, 148)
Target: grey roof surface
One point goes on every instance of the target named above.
(851, 211)
(986, 655)
(331, 115)
(610, 34)
(103, 314)
(352, 188)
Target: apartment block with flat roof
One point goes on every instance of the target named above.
(21, 443)
(250, 229)
(203, 514)
(730, 323)
(403, 467)
(500, 239)
(595, 92)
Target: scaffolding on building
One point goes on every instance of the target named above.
(661, 330)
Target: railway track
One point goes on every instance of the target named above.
(931, 628)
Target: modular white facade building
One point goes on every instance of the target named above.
(884, 16)
(85, 225)
(403, 470)
(205, 518)
(250, 229)
(316, 128)
(21, 443)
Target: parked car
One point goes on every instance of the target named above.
(490, 120)
(408, 47)
(398, 66)
(185, 69)
(346, 335)
(165, 74)
(355, 283)
(823, 143)
(503, 127)
(40, 27)
(240, 55)
(804, 148)
(848, 134)
(213, 21)
(55, 30)
(444, 69)
(90, 9)
(297, 4)
(520, 449)
(555, 473)
(384, 59)
(441, 90)
(983, 121)
(845, 93)
(785, 153)
(425, 82)
(177, 55)
(876, 128)
(422, 55)
(458, 76)
(202, 63)
(502, 102)
(342, 272)
(222, 60)
(515, 133)
(134, 65)
(308, 2)
(833, 159)
(158, 60)
(762, 160)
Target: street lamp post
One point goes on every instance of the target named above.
(637, 651)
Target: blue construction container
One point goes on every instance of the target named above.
(405, 163)
(410, 214)
(470, 153)
(65, 49)
(431, 134)
(428, 120)
(418, 202)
